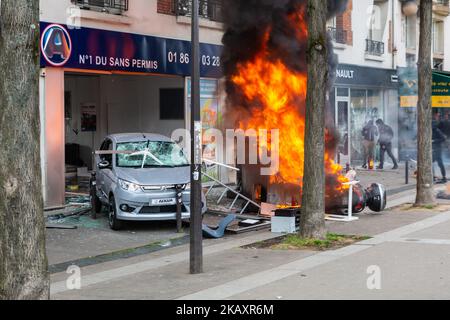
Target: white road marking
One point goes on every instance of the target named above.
(401, 232)
(444, 242)
(256, 280)
(132, 269)
(247, 283)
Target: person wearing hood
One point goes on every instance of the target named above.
(385, 141)
(438, 138)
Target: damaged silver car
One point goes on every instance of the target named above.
(137, 176)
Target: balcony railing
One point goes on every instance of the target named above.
(442, 2)
(111, 6)
(208, 9)
(375, 48)
(338, 35)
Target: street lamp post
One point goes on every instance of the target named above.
(196, 249)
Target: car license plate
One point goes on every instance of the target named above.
(164, 202)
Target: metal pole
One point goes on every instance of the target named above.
(350, 202)
(196, 233)
(179, 198)
(407, 171)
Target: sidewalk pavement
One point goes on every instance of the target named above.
(410, 249)
(93, 237)
(393, 180)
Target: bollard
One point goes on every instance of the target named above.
(179, 198)
(407, 171)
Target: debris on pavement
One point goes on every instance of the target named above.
(77, 205)
(60, 226)
(220, 231)
(444, 194)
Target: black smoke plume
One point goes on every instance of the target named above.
(248, 23)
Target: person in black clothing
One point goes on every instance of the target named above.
(438, 139)
(385, 141)
(369, 133)
(444, 125)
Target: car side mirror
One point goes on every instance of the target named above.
(104, 165)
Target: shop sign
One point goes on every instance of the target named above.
(56, 45)
(95, 49)
(441, 90)
(408, 90)
(351, 75)
(408, 87)
(345, 73)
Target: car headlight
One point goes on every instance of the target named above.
(129, 186)
(183, 186)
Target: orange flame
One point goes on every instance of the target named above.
(276, 96)
(274, 89)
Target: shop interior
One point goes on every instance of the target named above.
(97, 105)
(354, 107)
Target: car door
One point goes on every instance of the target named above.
(108, 173)
(102, 173)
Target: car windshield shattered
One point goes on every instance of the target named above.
(155, 154)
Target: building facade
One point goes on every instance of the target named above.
(112, 66)
(376, 42)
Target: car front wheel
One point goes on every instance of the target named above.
(114, 223)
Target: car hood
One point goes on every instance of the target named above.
(155, 176)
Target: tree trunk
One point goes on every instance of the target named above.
(313, 202)
(425, 193)
(23, 261)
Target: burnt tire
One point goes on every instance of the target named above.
(114, 223)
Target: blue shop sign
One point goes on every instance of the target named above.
(95, 49)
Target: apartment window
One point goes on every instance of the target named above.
(208, 9)
(442, 2)
(411, 32)
(411, 60)
(108, 6)
(336, 33)
(438, 36)
(378, 22)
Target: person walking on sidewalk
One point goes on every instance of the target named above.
(385, 141)
(438, 139)
(369, 133)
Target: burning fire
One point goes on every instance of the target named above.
(275, 92)
(276, 97)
